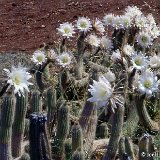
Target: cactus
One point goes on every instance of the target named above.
(25, 156)
(144, 117)
(102, 131)
(47, 73)
(19, 124)
(38, 138)
(121, 148)
(115, 136)
(78, 155)
(80, 48)
(62, 132)
(7, 116)
(26, 130)
(146, 148)
(77, 137)
(129, 148)
(52, 108)
(68, 149)
(36, 102)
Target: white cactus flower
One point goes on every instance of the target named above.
(101, 91)
(18, 77)
(64, 59)
(39, 57)
(93, 40)
(83, 24)
(125, 21)
(139, 61)
(117, 23)
(66, 30)
(154, 61)
(116, 55)
(148, 83)
(132, 11)
(140, 21)
(144, 39)
(110, 76)
(108, 19)
(128, 50)
(106, 43)
(98, 26)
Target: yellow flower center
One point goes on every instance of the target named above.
(144, 39)
(17, 79)
(147, 84)
(66, 30)
(138, 62)
(65, 59)
(102, 92)
(83, 25)
(40, 58)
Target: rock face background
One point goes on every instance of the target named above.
(25, 24)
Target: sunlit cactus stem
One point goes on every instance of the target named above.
(68, 149)
(77, 137)
(36, 102)
(62, 132)
(19, 124)
(80, 53)
(6, 121)
(52, 108)
(117, 124)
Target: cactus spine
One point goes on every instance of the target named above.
(77, 137)
(7, 116)
(62, 132)
(19, 124)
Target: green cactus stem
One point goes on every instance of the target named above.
(25, 156)
(78, 155)
(77, 137)
(52, 108)
(146, 148)
(6, 121)
(144, 117)
(36, 102)
(62, 132)
(102, 131)
(129, 148)
(19, 124)
(115, 136)
(79, 58)
(68, 149)
(121, 148)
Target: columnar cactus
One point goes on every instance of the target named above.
(121, 148)
(117, 124)
(102, 131)
(78, 155)
(62, 132)
(36, 102)
(19, 124)
(144, 117)
(52, 108)
(25, 156)
(77, 137)
(38, 138)
(6, 121)
(146, 148)
(68, 149)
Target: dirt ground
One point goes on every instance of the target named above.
(25, 24)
